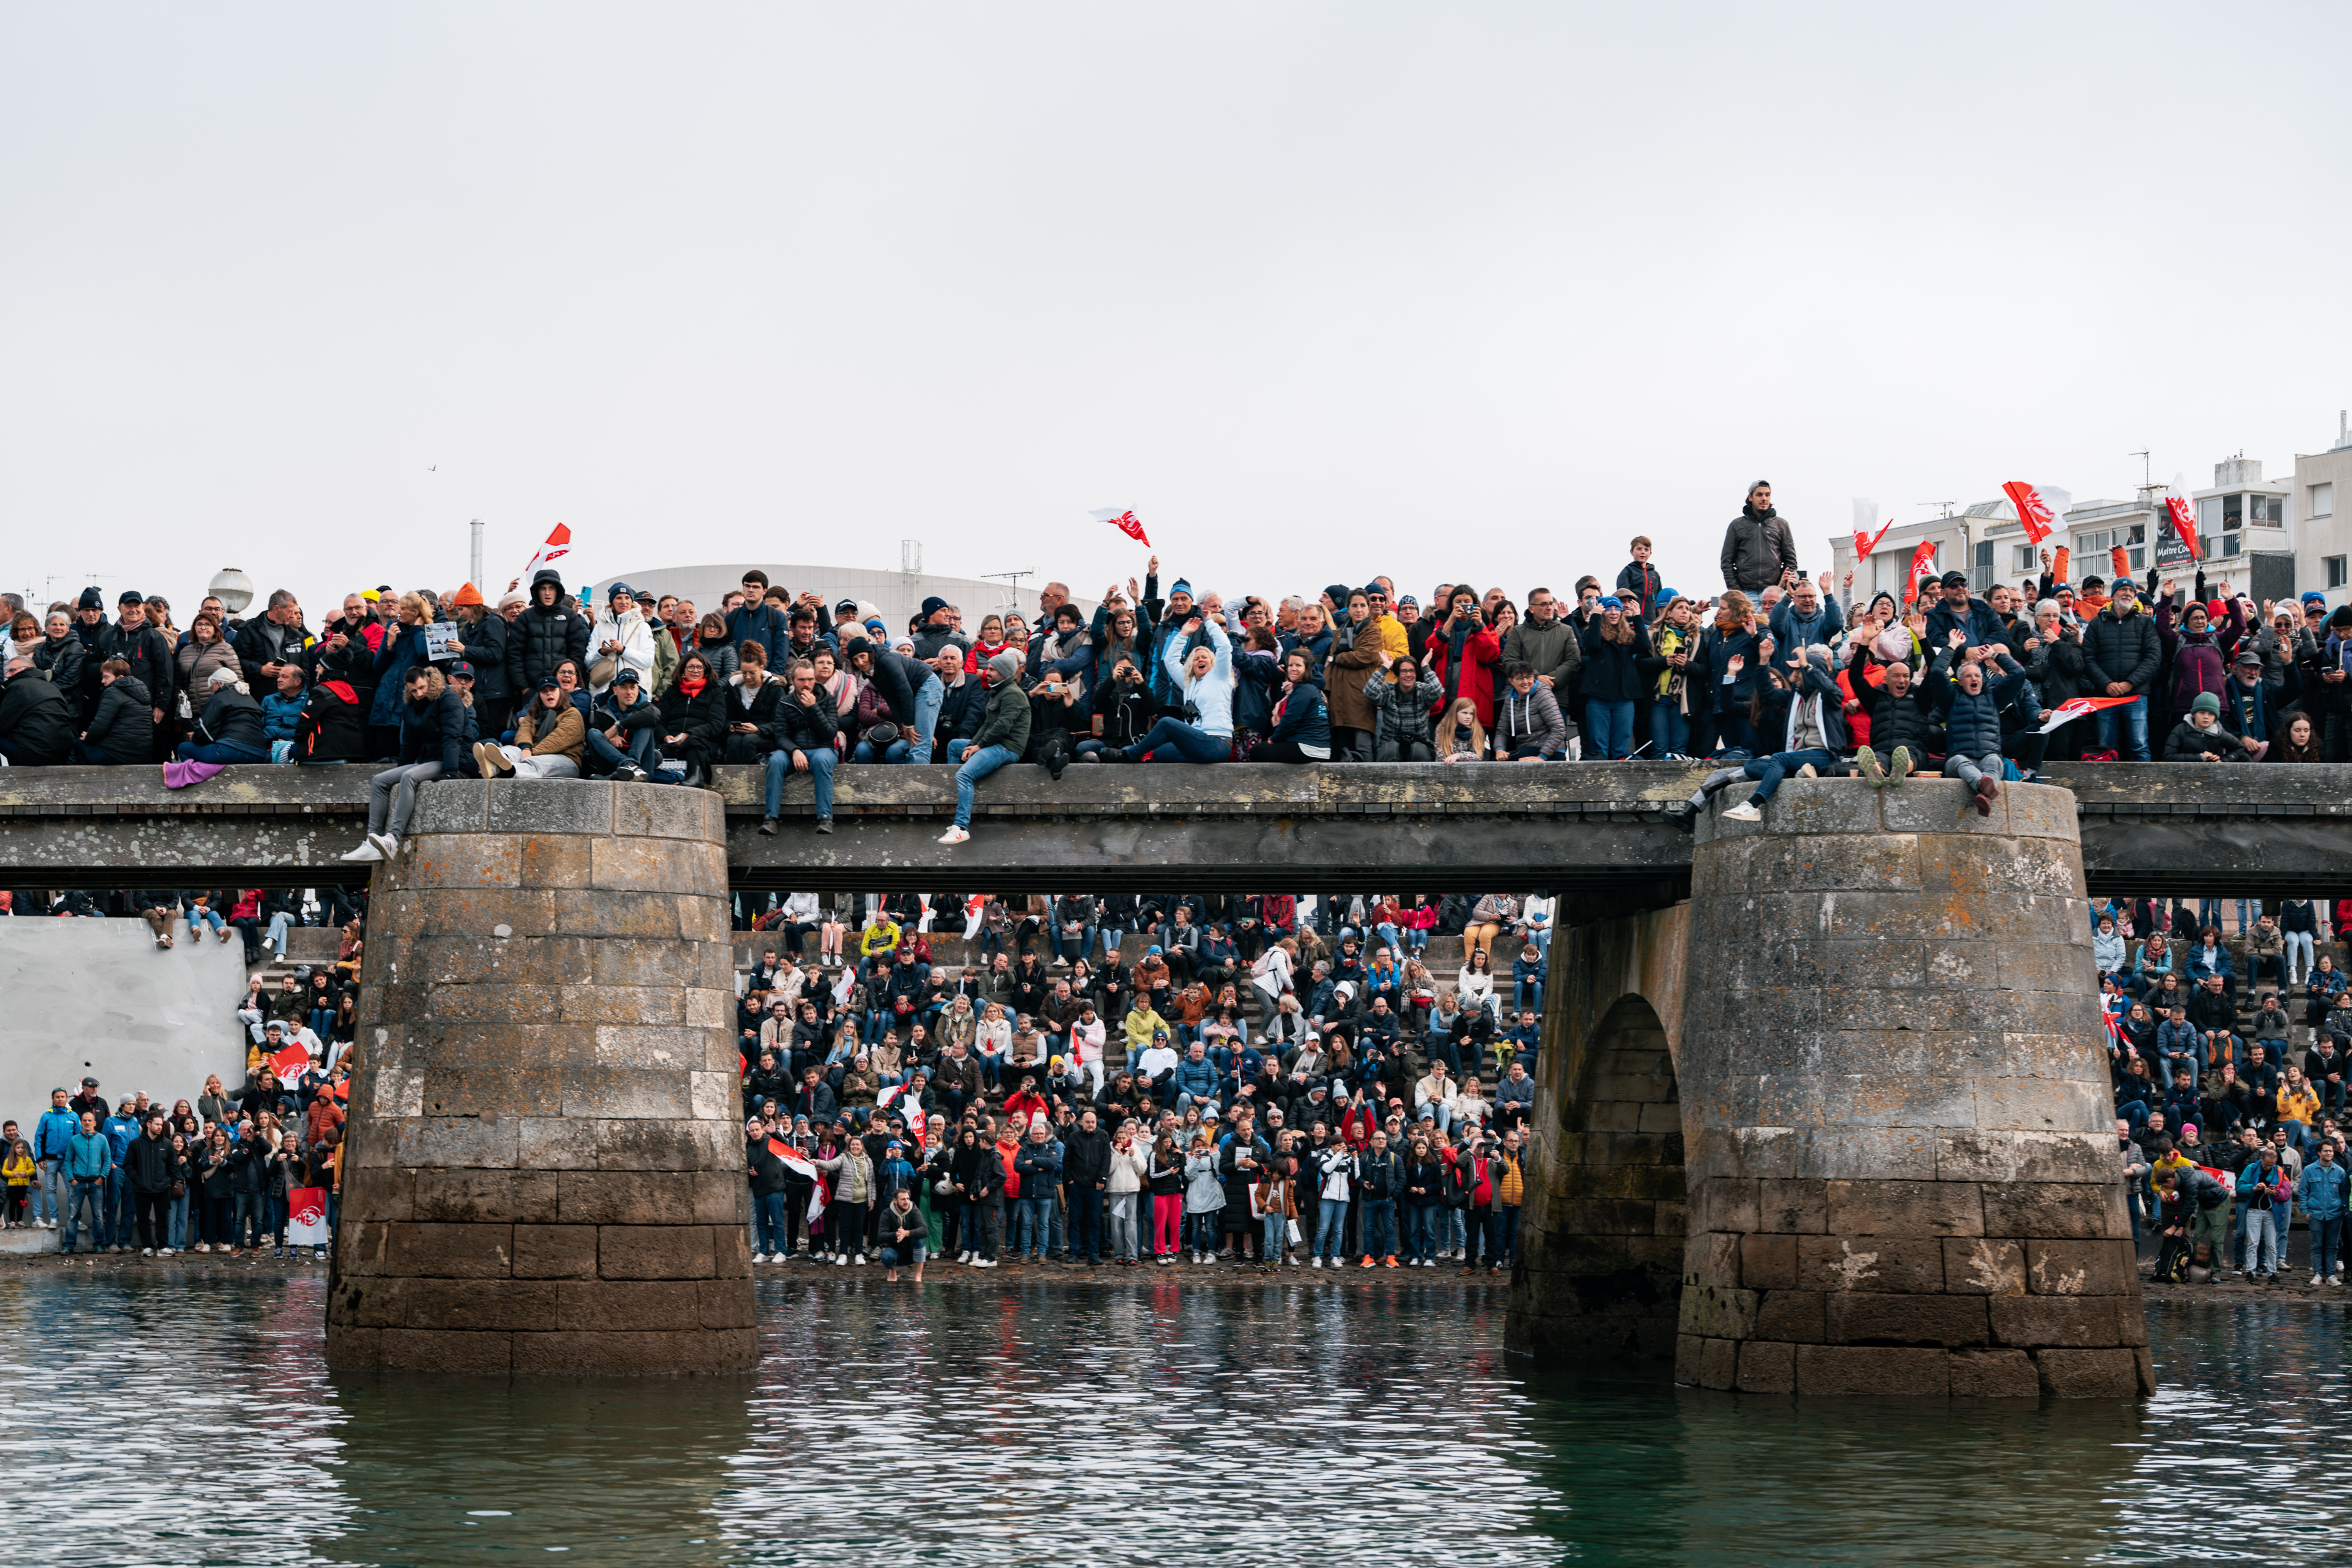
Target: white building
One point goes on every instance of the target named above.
(2323, 536)
(895, 595)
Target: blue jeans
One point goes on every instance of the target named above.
(2133, 717)
(1069, 947)
(1505, 1234)
(118, 1212)
(1380, 1238)
(895, 751)
(1669, 729)
(1031, 1218)
(1608, 730)
(198, 919)
(644, 749)
(250, 1206)
(1420, 1230)
(279, 923)
(976, 767)
(1184, 743)
(1768, 771)
(2327, 1244)
(927, 702)
(1526, 997)
(220, 751)
(768, 1213)
(1330, 1229)
(1276, 1243)
(87, 1192)
(820, 768)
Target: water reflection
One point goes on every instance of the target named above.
(187, 1419)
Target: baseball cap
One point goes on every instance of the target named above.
(549, 683)
(462, 668)
(626, 677)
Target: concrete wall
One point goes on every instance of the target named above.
(96, 997)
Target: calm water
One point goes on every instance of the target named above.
(188, 1420)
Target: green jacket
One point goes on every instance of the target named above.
(1006, 722)
(667, 659)
(1547, 650)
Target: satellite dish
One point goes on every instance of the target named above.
(233, 588)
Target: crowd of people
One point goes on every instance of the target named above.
(1777, 673)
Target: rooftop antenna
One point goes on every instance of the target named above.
(1012, 581)
(1946, 505)
(2146, 482)
(910, 557)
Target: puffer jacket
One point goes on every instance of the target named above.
(1533, 720)
(541, 638)
(1204, 1191)
(2201, 660)
(1908, 720)
(1971, 723)
(61, 659)
(2122, 647)
(123, 725)
(2059, 670)
(233, 718)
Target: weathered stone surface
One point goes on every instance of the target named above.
(1871, 1263)
(2073, 1322)
(2090, 1373)
(545, 1159)
(1767, 1368)
(1903, 1209)
(1994, 1375)
(1858, 1317)
(1899, 1371)
(1975, 1264)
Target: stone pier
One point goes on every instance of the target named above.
(544, 1167)
(1839, 1124)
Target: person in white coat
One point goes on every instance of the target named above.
(621, 637)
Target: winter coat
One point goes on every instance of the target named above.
(1303, 717)
(1758, 547)
(1005, 721)
(1971, 724)
(564, 735)
(2201, 660)
(1908, 720)
(1481, 650)
(232, 718)
(148, 652)
(1552, 650)
(2188, 744)
(1713, 685)
(1611, 670)
(541, 638)
(1639, 584)
(36, 721)
(123, 725)
(330, 729)
(1344, 682)
(436, 728)
(701, 718)
(810, 728)
(961, 706)
(194, 663)
(2124, 649)
(635, 633)
(403, 650)
(1533, 720)
(2060, 670)
(262, 641)
(486, 649)
(63, 661)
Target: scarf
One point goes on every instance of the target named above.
(692, 688)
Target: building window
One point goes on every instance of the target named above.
(2138, 558)
(2026, 561)
(2323, 501)
(2230, 543)
(2266, 511)
(2336, 574)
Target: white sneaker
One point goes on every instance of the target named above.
(964, 1256)
(759, 1257)
(1318, 1263)
(1746, 811)
(146, 1252)
(387, 843)
(839, 1261)
(367, 852)
(984, 1263)
(203, 1246)
(166, 1252)
(861, 1260)
(2315, 1276)
(955, 836)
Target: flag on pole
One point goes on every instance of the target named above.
(1122, 521)
(2184, 516)
(1923, 562)
(290, 1064)
(306, 1217)
(558, 546)
(2037, 507)
(2075, 706)
(1865, 516)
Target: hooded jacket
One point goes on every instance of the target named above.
(233, 718)
(63, 660)
(1612, 672)
(2122, 647)
(123, 725)
(332, 729)
(36, 721)
(1532, 719)
(1005, 720)
(436, 727)
(543, 636)
(2201, 660)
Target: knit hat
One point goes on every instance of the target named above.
(1666, 596)
(507, 599)
(1007, 666)
(91, 599)
(617, 589)
(467, 594)
(1612, 602)
(2314, 598)
(1180, 586)
(1338, 593)
(2206, 703)
(933, 606)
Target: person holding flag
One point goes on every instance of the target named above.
(2122, 649)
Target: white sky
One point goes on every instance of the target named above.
(1319, 290)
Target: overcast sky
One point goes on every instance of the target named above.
(1320, 291)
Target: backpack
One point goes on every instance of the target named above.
(2172, 1260)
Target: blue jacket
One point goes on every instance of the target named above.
(1823, 627)
(89, 1154)
(1038, 1160)
(280, 713)
(2181, 1041)
(1196, 1079)
(2223, 965)
(403, 650)
(1212, 696)
(1982, 626)
(53, 1135)
(1304, 718)
(2323, 1190)
(118, 1130)
(762, 623)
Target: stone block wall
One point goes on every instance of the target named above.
(1901, 1157)
(544, 1164)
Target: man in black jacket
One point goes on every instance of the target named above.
(148, 652)
(36, 720)
(149, 1166)
(271, 639)
(804, 731)
(1759, 549)
(1086, 1175)
(2121, 647)
(543, 635)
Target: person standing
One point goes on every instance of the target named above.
(1759, 549)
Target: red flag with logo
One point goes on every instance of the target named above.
(2183, 512)
(2075, 706)
(306, 1217)
(558, 546)
(2038, 510)
(290, 1064)
(1123, 521)
(1923, 562)
(1864, 546)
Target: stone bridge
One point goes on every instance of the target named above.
(1599, 833)
(1822, 1109)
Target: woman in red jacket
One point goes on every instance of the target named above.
(1463, 652)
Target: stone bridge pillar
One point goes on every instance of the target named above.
(1895, 1169)
(544, 1158)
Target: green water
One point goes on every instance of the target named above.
(187, 1419)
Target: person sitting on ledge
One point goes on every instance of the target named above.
(1810, 719)
(432, 739)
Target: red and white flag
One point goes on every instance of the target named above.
(2075, 706)
(2038, 507)
(290, 1064)
(2183, 512)
(1866, 517)
(558, 546)
(1122, 521)
(1923, 564)
(306, 1217)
